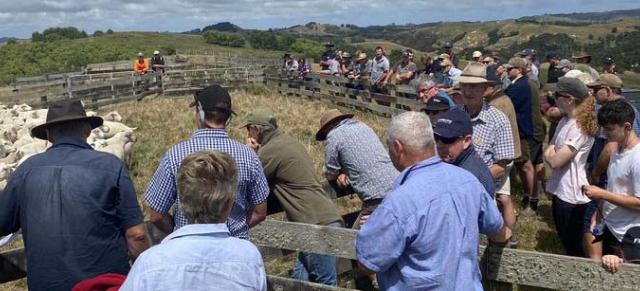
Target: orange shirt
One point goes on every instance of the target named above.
(141, 67)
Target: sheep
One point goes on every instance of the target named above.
(35, 147)
(6, 148)
(113, 116)
(116, 145)
(110, 129)
(24, 139)
(5, 173)
(12, 158)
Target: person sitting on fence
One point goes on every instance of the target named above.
(303, 67)
(453, 134)
(333, 68)
(609, 66)
(380, 72)
(212, 114)
(328, 54)
(426, 232)
(346, 65)
(492, 135)
(157, 62)
(362, 69)
(76, 206)
(428, 89)
(202, 254)
(290, 172)
(619, 221)
(567, 155)
(405, 71)
(291, 66)
(436, 107)
(141, 65)
(450, 74)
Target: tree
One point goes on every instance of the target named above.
(109, 31)
(223, 38)
(98, 33)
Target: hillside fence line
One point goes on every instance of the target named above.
(277, 238)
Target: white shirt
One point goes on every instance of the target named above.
(566, 182)
(624, 179)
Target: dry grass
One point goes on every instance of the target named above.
(164, 121)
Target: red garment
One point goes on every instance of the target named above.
(104, 282)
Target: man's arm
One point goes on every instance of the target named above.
(161, 196)
(163, 221)
(257, 214)
(498, 169)
(137, 240)
(627, 201)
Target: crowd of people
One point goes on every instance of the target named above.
(438, 180)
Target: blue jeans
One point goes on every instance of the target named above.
(317, 268)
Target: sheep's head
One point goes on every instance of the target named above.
(5, 171)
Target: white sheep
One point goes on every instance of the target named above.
(113, 116)
(116, 144)
(6, 148)
(110, 129)
(37, 146)
(5, 173)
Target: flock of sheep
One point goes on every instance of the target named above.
(17, 144)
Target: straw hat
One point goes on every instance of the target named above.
(328, 120)
(474, 73)
(362, 56)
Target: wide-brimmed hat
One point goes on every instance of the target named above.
(581, 55)
(329, 119)
(362, 56)
(474, 73)
(329, 43)
(65, 111)
(261, 116)
(609, 80)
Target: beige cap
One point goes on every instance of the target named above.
(609, 80)
(156, 52)
(476, 54)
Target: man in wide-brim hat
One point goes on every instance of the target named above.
(582, 58)
(72, 195)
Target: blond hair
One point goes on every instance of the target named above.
(585, 115)
(205, 182)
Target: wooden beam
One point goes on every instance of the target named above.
(275, 283)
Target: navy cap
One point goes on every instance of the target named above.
(526, 52)
(448, 44)
(437, 103)
(608, 61)
(213, 98)
(454, 123)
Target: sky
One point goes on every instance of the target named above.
(19, 18)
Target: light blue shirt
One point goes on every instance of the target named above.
(199, 257)
(425, 234)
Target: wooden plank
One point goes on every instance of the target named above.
(281, 284)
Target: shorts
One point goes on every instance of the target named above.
(503, 184)
(531, 151)
(588, 213)
(367, 208)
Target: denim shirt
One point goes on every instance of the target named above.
(199, 257)
(74, 205)
(425, 234)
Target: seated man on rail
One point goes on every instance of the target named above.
(141, 64)
(426, 232)
(202, 254)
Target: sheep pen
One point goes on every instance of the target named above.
(164, 121)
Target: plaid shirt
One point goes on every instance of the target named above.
(253, 189)
(492, 135)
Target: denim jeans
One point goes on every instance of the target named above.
(317, 268)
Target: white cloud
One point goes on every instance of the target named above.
(20, 18)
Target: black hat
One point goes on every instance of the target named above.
(213, 98)
(608, 61)
(454, 123)
(65, 111)
(437, 103)
(631, 245)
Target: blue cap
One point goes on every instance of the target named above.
(526, 52)
(448, 44)
(454, 123)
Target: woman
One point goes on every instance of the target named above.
(303, 67)
(567, 155)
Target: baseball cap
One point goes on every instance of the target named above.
(563, 64)
(454, 123)
(448, 44)
(608, 61)
(552, 55)
(609, 80)
(516, 62)
(261, 116)
(572, 86)
(156, 52)
(525, 52)
(631, 245)
(213, 98)
(476, 54)
(437, 103)
(140, 54)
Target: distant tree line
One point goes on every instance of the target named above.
(58, 33)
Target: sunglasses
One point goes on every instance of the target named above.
(486, 62)
(445, 140)
(560, 95)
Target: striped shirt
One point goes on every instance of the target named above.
(252, 190)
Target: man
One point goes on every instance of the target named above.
(406, 70)
(291, 65)
(379, 72)
(346, 65)
(436, 107)
(554, 71)
(450, 73)
(425, 234)
(608, 66)
(488, 60)
(141, 65)
(448, 49)
(290, 173)
(362, 68)
(476, 56)
(212, 113)
(492, 135)
(333, 67)
(564, 66)
(452, 132)
(355, 157)
(202, 254)
(535, 147)
(520, 94)
(428, 89)
(582, 63)
(157, 62)
(620, 200)
(76, 206)
(529, 55)
(328, 54)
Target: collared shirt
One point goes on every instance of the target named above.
(73, 204)
(492, 135)
(378, 69)
(161, 194)
(503, 103)
(199, 257)
(425, 233)
(354, 149)
(471, 161)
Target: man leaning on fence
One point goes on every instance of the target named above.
(202, 255)
(76, 206)
(425, 234)
(290, 172)
(212, 113)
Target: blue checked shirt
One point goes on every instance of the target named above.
(253, 189)
(492, 135)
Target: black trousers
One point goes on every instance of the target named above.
(569, 220)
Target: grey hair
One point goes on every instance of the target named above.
(425, 82)
(413, 130)
(205, 181)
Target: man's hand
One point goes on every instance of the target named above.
(253, 143)
(593, 192)
(342, 181)
(363, 219)
(611, 263)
